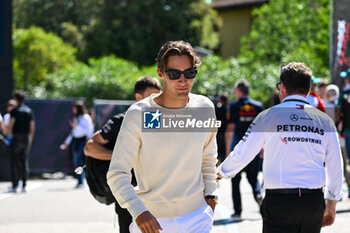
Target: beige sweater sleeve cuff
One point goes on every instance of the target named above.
(136, 208)
(211, 188)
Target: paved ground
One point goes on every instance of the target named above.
(53, 205)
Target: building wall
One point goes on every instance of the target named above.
(236, 23)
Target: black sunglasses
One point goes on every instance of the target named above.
(278, 85)
(176, 74)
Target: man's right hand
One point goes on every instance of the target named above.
(329, 213)
(147, 223)
(63, 146)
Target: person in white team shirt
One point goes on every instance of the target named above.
(175, 171)
(301, 156)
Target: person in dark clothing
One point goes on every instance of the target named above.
(221, 115)
(21, 127)
(242, 114)
(344, 112)
(100, 146)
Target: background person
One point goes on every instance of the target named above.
(242, 113)
(100, 145)
(21, 128)
(301, 156)
(331, 100)
(175, 171)
(344, 107)
(82, 129)
(275, 98)
(331, 104)
(221, 115)
(322, 85)
(313, 98)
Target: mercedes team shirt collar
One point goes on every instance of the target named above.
(298, 98)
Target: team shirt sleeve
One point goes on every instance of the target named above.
(333, 166)
(245, 151)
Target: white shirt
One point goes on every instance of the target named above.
(301, 148)
(7, 118)
(84, 128)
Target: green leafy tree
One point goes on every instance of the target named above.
(284, 31)
(217, 76)
(135, 30)
(65, 18)
(113, 78)
(37, 54)
(204, 27)
(51, 14)
(102, 78)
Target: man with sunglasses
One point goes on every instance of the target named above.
(301, 157)
(175, 170)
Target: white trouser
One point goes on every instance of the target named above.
(199, 221)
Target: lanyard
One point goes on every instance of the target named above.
(303, 101)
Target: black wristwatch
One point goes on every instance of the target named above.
(215, 198)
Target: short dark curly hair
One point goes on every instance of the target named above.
(296, 77)
(176, 48)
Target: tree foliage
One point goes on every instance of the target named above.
(103, 78)
(114, 78)
(282, 31)
(51, 14)
(66, 18)
(135, 30)
(36, 54)
(217, 76)
(285, 31)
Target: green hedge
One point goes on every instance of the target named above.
(114, 78)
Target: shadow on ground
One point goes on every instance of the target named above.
(342, 211)
(232, 221)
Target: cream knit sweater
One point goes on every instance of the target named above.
(174, 170)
